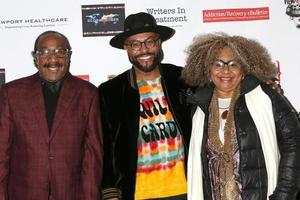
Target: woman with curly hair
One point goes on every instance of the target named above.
(245, 141)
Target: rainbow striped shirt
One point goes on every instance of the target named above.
(160, 168)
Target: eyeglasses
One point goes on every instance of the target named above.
(59, 53)
(219, 65)
(137, 45)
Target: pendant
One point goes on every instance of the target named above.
(224, 114)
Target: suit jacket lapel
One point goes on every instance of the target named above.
(66, 95)
(38, 106)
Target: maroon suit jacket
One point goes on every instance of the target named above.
(68, 161)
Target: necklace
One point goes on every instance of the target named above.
(224, 114)
(223, 105)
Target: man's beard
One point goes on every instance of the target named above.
(156, 61)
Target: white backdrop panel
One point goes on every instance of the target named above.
(22, 21)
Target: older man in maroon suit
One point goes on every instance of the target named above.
(50, 130)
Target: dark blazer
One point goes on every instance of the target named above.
(66, 163)
(120, 110)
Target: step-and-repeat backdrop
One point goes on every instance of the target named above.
(90, 24)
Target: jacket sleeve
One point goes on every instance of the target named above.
(109, 187)
(93, 153)
(5, 126)
(288, 137)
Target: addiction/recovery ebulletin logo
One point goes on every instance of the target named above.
(2, 76)
(236, 14)
(102, 20)
(293, 10)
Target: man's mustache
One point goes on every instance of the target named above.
(55, 64)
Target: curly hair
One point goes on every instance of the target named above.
(253, 57)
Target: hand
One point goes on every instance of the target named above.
(275, 85)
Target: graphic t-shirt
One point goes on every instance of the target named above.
(160, 168)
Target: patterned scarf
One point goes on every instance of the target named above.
(228, 187)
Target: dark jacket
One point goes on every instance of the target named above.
(252, 164)
(120, 109)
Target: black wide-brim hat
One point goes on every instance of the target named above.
(140, 23)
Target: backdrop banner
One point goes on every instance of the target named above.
(90, 24)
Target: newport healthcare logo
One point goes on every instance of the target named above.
(102, 20)
(31, 22)
(293, 10)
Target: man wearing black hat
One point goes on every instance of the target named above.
(145, 119)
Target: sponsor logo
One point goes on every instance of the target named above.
(173, 17)
(94, 18)
(84, 77)
(111, 76)
(102, 20)
(33, 22)
(278, 71)
(2, 76)
(293, 10)
(237, 14)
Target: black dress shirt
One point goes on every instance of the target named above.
(51, 91)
